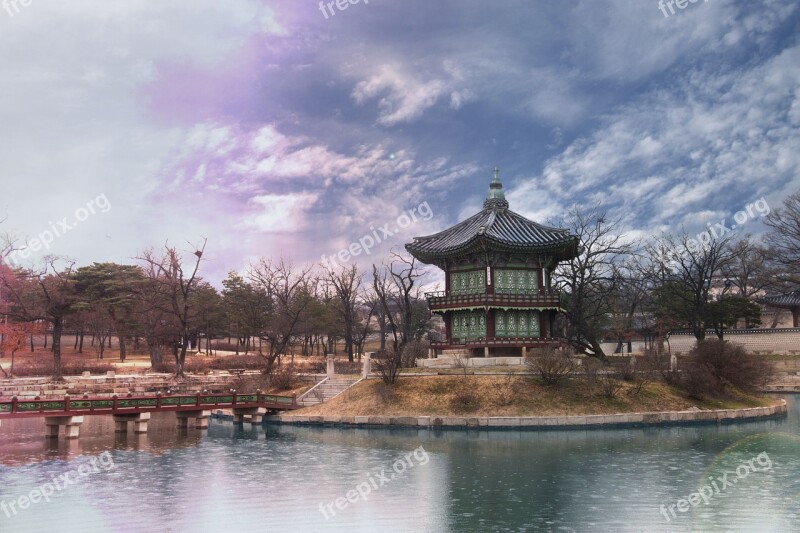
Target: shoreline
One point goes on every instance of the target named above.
(613, 421)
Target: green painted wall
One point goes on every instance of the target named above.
(473, 282)
(516, 323)
(467, 325)
(516, 281)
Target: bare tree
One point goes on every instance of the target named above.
(749, 272)
(628, 300)
(345, 283)
(692, 268)
(289, 294)
(159, 326)
(44, 295)
(365, 310)
(400, 299)
(592, 278)
(784, 239)
(177, 284)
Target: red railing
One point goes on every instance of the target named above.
(543, 297)
(68, 406)
(492, 342)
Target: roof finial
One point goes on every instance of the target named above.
(495, 197)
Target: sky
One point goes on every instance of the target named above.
(294, 129)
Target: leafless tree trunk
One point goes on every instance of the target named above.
(346, 284)
(592, 279)
(167, 271)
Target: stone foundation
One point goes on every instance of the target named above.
(620, 420)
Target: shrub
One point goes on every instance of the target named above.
(283, 377)
(508, 390)
(464, 399)
(346, 367)
(591, 368)
(461, 363)
(644, 371)
(713, 365)
(551, 364)
(317, 366)
(197, 365)
(69, 367)
(610, 384)
(226, 346)
(387, 364)
(252, 383)
(412, 351)
(247, 362)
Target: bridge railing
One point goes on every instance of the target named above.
(115, 404)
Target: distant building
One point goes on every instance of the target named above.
(790, 301)
(497, 264)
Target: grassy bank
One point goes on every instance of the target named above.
(511, 396)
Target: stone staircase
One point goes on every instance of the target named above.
(326, 390)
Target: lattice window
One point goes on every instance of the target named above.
(516, 323)
(468, 325)
(473, 282)
(517, 281)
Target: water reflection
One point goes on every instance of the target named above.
(22, 441)
(276, 478)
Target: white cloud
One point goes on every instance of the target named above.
(678, 153)
(401, 97)
(279, 213)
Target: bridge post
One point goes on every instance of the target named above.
(71, 424)
(139, 420)
(254, 415)
(200, 419)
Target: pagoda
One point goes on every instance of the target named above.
(497, 265)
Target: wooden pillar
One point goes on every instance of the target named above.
(795, 317)
(447, 327)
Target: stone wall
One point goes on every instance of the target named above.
(100, 386)
(758, 341)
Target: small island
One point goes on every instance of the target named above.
(500, 307)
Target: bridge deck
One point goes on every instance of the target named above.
(83, 406)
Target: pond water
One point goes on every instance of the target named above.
(743, 477)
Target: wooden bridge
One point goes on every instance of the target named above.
(69, 412)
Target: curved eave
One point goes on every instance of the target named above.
(781, 302)
(565, 249)
(444, 310)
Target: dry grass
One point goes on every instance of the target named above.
(444, 395)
